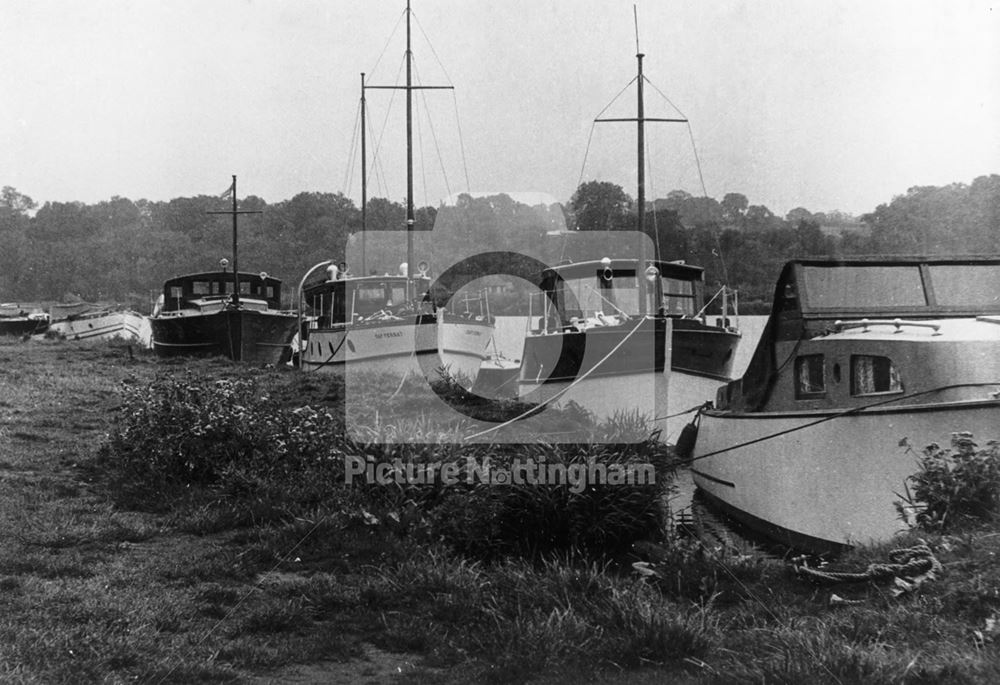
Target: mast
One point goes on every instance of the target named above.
(640, 120)
(409, 150)
(236, 265)
(409, 88)
(364, 178)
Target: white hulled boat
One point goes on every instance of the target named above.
(863, 362)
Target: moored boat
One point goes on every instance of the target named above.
(862, 364)
(600, 345)
(17, 321)
(234, 314)
(383, 324)
(86, 321)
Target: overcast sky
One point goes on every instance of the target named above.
(838, 104)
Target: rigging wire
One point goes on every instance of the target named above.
(437, 147)
(701, 176)
(599, 114)
(349, 171)
(385, 121)
(388, 40)
(458, 122)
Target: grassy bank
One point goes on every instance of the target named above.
(115, 569)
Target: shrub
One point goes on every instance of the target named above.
(225, 435)
(955, 487)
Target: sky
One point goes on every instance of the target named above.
(832, 105)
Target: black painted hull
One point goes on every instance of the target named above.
(19, 326)
(614, 350)
(703, 350)
(240, 335)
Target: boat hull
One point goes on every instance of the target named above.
(94, 326)
(22, 326)
(609, 370)
(825, 480)
(420, 345)
(241, 335)
(702, 350)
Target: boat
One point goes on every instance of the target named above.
(862, 364)
(20, 322)
(87, 321)
(389, 323)
(230, 313)
(634, 336)
(660, 359)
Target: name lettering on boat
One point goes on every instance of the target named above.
(389, 334)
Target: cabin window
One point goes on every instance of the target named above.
(810, 378)
(201, 287)
(270, 292)
(678, 297)
(871, 375)
(176, 292)
(244, 287)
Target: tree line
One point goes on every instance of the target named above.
(122, 250)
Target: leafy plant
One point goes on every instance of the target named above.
(954, 486)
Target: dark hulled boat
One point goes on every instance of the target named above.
(197, 316)
(233, 314)
(16, 321)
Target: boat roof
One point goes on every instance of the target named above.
(217, 275)
(584, 269)
(912, 286)
(359, 281)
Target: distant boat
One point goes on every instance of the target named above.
(17, 321)
(230, 313)
(862, 363)
(387, 323)
(86, 321)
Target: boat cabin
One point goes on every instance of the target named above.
(848, 333)
(609, 287)
(196, 291)
(352, 299)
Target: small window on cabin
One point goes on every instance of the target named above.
(270, 292)
(678, 297)
(872, 375)
(201, 287)
(244, 287)
(176, 292)
(810, 379)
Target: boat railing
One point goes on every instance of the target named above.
(730, 318)
(866, 324)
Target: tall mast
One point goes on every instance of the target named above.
(236, 264)
(640, 120)
(409, 148)
(364, 179)
(409, 88)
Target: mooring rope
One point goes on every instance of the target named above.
(907, 563)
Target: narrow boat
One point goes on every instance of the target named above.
(234, 314)
(17, 321)
(388, 323)
(862, 364)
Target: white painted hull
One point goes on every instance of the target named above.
(99, 326)
(398, 348)
(829, 484)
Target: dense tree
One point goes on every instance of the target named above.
(599, 206)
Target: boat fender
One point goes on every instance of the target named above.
(684, 447)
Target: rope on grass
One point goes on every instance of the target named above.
(908, 563)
